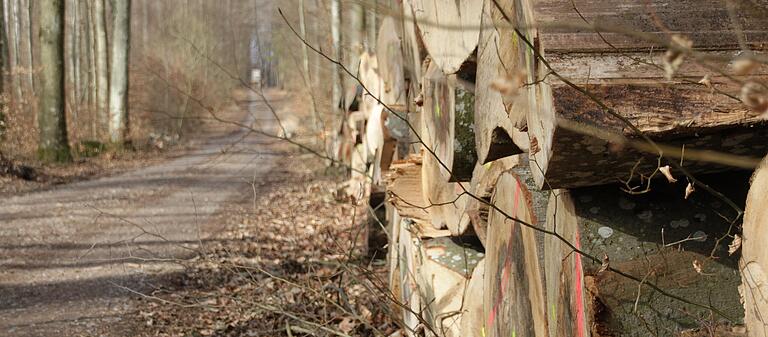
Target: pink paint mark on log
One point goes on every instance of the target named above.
(580, 320)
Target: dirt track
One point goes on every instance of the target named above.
(67, 253)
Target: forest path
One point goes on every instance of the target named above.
(67, 255)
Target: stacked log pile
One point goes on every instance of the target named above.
(515, 143)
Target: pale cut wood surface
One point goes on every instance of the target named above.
(472, 307)
(514, 290)
(450, 47)
(446, 267)
(444, 198)
(754, 255)
(497, 118)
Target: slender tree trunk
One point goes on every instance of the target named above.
(29, 27)
(316, 122)
(336, 40)
(354, 28)
(118, 88)
(102, 70)
(70, 62)
(53, 146)
(318, 38)
(3, 64)
(91, 57)
(13, 30)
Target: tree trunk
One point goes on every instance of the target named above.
(354, 26)
(514, 296)
(659, 237)
(444, 268)
(29, 29)
(3, 66)
(16, 67)
(305, 67)
(118, 89)
(754, 255)
(53, 146)
(336, 44)
(446, 121)
(483, 184)
(102, 67)
(496, 120)
(472, 318)
(406, 280)
(579, 143)
(449, 48)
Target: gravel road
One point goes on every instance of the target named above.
(68, 255)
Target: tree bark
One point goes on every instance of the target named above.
(118, 89)
(53, 145)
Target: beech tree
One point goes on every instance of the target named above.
(118, 88)
(53, 145)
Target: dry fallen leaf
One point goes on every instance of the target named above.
(744, 66)
(735, 244)
(674, 57)
(697, 266)
(605, 265)
(705, 81)
(755, 96)
(666, 171)
(509, 85)
(689, 190)
(347, 325)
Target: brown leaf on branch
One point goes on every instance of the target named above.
(735, 244)
(674, 57)
(705, 81)
(755, 96)
(509, 85)
(744, 66)
(666, 171)
(689, 190)
(605, 265)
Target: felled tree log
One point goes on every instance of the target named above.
(472, 308)
(514, 285)
(483, 183)
(754, 255)
(446, 130)
(405, 286)
(446, 266)
(658, 237)
(390, 56)
(626, 73)
(448, 29)
(497, 117)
